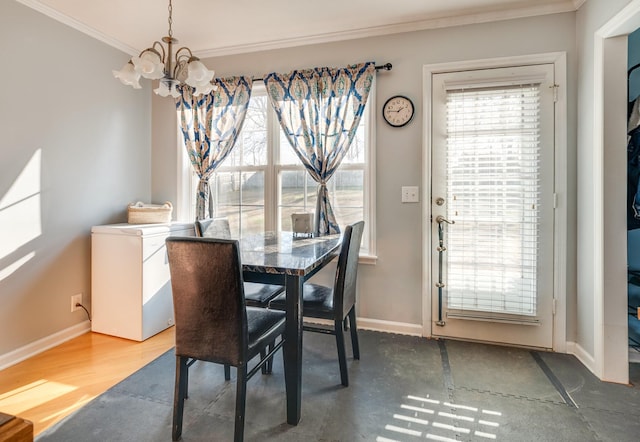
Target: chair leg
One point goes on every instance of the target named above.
(269, 363)
(342, 355)
(354, 333)
(265, 367)
(346, 323)
(179, 395)
(227, 372)
(241, 399)
(186, 378)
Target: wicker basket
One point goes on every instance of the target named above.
(140, 213)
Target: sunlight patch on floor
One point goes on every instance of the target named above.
(447, 421)
(36, 393)
(84, 400)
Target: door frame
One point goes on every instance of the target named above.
(610, 359)
(559, 60)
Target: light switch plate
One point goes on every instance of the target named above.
(410, 194)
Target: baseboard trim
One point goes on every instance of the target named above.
(36, 347)
(400, 328)
(583, 356)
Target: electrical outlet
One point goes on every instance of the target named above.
(76, 299)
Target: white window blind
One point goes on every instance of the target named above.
(493, 187)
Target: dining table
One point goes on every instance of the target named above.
(289, 260)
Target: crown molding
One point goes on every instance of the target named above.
(75, 24)
(375, 31)
(365, 32)
(578, 3)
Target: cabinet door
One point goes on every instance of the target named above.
(116, 285)
(157, 301)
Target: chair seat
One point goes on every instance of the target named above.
(263, 327)
(317, 301)
(256, 294)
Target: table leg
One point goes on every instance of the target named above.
(293, 348)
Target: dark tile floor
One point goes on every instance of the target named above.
(403, 389)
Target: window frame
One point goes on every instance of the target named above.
(186, 193)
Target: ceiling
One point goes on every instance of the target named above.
(222, 27)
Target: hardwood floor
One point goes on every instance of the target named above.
(47, 387)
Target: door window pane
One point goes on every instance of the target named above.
(493, 185)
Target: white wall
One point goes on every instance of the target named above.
(391, 290)
(74, 151)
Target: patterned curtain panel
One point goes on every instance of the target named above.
(210, 125)
(319, 110)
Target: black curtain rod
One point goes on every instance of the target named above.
(384, 67)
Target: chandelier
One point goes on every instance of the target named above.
(156, 63)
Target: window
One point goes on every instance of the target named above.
(262, 182)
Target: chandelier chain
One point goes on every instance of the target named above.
(170, 19)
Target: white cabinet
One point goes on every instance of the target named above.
(130, 281)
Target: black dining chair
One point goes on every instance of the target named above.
(212, 320)
(335, 303)
(256, 294)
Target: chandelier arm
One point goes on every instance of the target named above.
(180, 55)
(182, 58)
(161, 52)
(154, 49)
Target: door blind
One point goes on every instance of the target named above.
(493, 189)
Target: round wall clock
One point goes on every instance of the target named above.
(398, 110)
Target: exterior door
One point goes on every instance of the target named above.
(493, 205)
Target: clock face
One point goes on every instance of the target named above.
(398, 111)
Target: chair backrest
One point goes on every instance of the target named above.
(344, 289)
(213, 228)
(208, 299)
